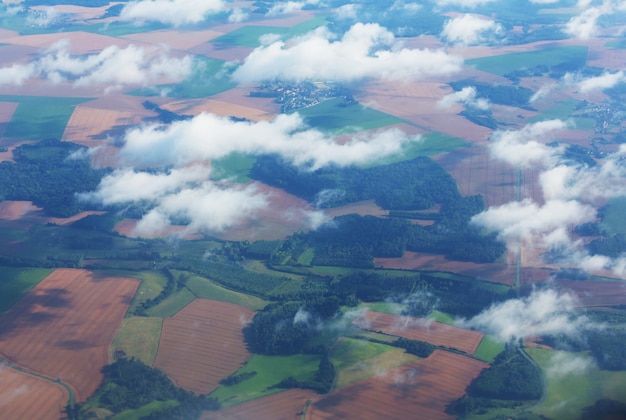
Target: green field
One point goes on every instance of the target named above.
(204, 288)
(349, 351)
(173, 304)
(385, 307)
(331, 116)
(152, 283)
(145, 410)
(614, 221)
(620, 44)
(373, 366)
(568, 394)
(270, 371)
(235, 167)
(442, 317)
(139, 338)
(15, 282)
(575, 56)
(39, 117)
(248, 36)
(488, 349)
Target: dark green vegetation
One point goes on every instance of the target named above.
(39, 117)
(16, 282)
(130, 384)
(498, 94)
(512, 378)
(47, 174)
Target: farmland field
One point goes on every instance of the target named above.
(570, 390)
(138, 337)
(285, 405)
(173, 304)
(16, 282)
(205, 288)
(202, 344)
(24, 396)
(575, 56)
(330, 115)
(270, 371)
(424, 386)
(63, 327)
(422, 329)
(38, 117)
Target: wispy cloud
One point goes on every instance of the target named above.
(466, 96)
(364, 51)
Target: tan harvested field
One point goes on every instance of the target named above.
(202, 344)
(421, 389)
(91, 126)
(24, 396)
(417, 102)
(240, 96)
(421, 329)
(63, 327)
(286, 405)
(14, 210)
(126, 227)
(222, 108)
(175, 39)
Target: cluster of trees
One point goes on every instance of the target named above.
(45, 174)
(417, 184)
(512, 377)
(323, 382)
(167, 291)
(498, 94)
(130, 384)
(235, 379)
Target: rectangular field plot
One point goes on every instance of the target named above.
(569, 57)
(283, 405)
(24, 396)
(422, 330)
(39, 117)
(63, 327)
(420, 389)
(202, 344)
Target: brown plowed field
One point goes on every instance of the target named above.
(24, 396)
(64, 326)
(287, 405)
(419, 390)
(421, 329)
(202, 344)
(596, 292)
(28, 214)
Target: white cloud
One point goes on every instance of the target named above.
(470, 29)
(185, 195)
(11, 2)
(605, 81)
(526, 147)
(364, 51)
(462, 3)
(466, 96)
(208, 136)
(584, 25)
(347, 11)
(112, 67)
(544, 226)
(286, 7)
(238, 15)
(563, 364)
(17, 74)
(544, 312)
(172, 12)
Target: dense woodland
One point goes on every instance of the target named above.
(46, 174)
